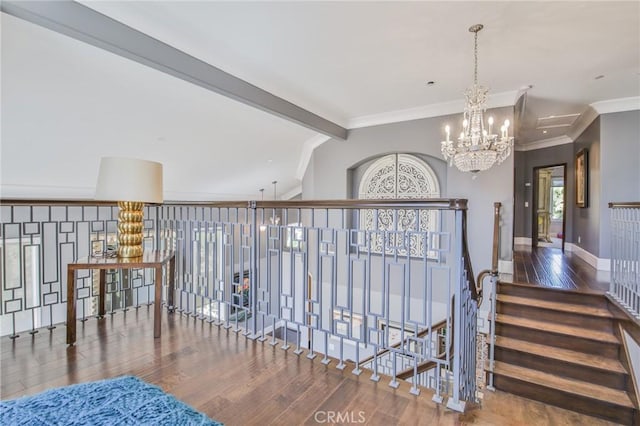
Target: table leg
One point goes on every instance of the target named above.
(102, 293)
(171, 290)
(157, 307)
(71, 306)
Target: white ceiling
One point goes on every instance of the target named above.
(345, 61)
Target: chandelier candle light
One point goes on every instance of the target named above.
(477, 148)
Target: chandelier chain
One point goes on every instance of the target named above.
(475, 56)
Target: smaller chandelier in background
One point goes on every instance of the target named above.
(477, 148)
(274, 220)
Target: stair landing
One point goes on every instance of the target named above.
(550, 267)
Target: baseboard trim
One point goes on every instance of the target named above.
(505, 267)
(598, 263)
(522, 241)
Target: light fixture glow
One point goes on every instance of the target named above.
(477, 149)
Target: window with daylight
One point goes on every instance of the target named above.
(557, 198)
(399, 176)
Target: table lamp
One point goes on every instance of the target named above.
(130, 182)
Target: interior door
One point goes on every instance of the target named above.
(543, 212)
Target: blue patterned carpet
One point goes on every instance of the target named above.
(121, 401)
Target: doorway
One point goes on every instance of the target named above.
(549, 206)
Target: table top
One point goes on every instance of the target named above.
(149, 258)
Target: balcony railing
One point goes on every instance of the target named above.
(315, 274)
(625, 256)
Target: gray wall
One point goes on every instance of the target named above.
(613, 144)
(586, 221)
(525, 162)
(619, 165)
(328, 174)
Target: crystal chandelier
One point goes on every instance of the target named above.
(263, 227)
(477, 148)
(275, 219)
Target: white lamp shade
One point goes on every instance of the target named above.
(129, 179)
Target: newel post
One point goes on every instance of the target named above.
(253, 270)
(454, 402)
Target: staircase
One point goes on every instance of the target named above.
(560, 347)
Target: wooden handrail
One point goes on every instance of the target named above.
(54, 202)
(423, 203)
(495, 253)
(427, 365)
(624, 204)
(467, 261)
(434, 328)
(421, 333)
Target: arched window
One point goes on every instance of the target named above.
(400, 176)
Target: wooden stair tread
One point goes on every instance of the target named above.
(542, 289)
(575, 387)
(560, 354)
(568, 330)
(556, 306)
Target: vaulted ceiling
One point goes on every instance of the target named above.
(66, 103)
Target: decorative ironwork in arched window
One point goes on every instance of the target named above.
(398, 176)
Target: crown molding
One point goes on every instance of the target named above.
(297, 190)
(307, 151)
(544, 143)
(497, 100)
(581, 124)
(617, 105)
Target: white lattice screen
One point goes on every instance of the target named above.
(399, 176)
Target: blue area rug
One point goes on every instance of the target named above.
(121, 401)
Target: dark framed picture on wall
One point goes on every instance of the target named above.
(582, 178)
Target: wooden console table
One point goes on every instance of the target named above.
(150, 259)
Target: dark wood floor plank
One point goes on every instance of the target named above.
(550, 267)
(236, 380)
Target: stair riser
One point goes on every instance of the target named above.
(609, 350)
(606, 378)
(541, 293)
(558, 317)
(591, 407)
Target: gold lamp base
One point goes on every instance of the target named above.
(130, 228)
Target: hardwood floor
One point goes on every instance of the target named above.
(238, 381)
(549, 267)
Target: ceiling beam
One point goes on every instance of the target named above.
(85, 24)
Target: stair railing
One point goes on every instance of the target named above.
(493, 277)
(444, 352)
(625, 256)
(444, 347)
(379, 270)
